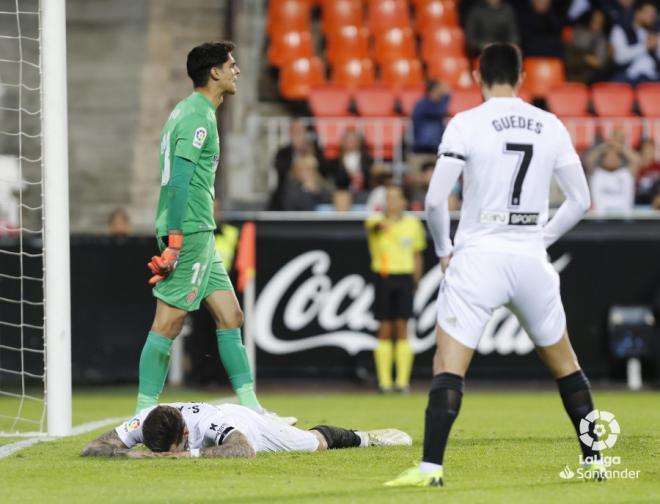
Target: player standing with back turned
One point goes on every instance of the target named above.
(189, 271)
(508, 152)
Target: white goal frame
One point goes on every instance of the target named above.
(57, 288)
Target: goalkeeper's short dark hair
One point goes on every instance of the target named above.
(206, 56)
(163, 427)
(500, 63)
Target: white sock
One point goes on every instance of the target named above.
(428, 467)
(364, 439)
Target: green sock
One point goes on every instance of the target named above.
(235, 361)
(154, 361)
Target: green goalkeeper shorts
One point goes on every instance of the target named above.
(198, 273)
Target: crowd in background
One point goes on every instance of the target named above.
(598, 40)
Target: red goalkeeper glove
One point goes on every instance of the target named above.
(163, 265)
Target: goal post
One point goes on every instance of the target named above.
(57, 284)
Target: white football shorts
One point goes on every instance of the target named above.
(478, 282)
(267, 435)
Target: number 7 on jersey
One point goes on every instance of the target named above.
(527, 151)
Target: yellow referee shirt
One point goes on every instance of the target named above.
(393, 244)
(225, 244)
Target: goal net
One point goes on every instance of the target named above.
(26, 204)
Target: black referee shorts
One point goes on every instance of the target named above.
(394, 297)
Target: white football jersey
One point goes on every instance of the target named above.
(207, 425)
(510, 150)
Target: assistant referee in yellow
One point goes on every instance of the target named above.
(396, 241)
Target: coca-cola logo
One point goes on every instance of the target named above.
(343, 311)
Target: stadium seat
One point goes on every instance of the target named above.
(434, 14)
(402, 73)
(582, 131)
(463, 99)
(393, 44)
(612, 99)
(348, 42)
(330, 132)
(387, 14)
(542, 75)
(383, 136)
(570, 99)
(648, 99)
(376, 100)
(299, 76)
(329, 100)
(339, 13)
(288, 15)
(288, 46)
(454, 70)
(442, 41)
(353, 72)
(409, 96)
(525, 95)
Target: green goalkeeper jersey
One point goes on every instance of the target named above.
(191, 132)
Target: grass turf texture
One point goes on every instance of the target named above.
(505, 447)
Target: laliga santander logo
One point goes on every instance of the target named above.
(344, 311)
(602, 422)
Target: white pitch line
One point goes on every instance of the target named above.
(11, 448)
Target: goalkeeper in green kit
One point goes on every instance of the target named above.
(188, 271)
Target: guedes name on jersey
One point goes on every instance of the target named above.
(520, 122)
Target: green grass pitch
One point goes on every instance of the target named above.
(505, 447)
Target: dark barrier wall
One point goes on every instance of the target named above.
(314, 314)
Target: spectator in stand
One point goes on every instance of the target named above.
(587, 55)
(383, 179)
(611, 167)
(428, 125)
(648, 177)
(342, 200)
(490, 21)
(352, 169)
(301, 144)
(305, 188)
(119, 223)
(541, 30)
(421, 188)
(636, 50)
(620, 12)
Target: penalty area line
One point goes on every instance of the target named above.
(11, 448)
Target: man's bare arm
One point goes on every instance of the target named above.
(106, 445)
(235, 445)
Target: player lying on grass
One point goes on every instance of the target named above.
(183, 430)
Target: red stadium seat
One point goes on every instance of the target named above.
(409, 96)
(463, 99)
(454, 70)
(582, 130)
(330, 132)
(402, 73)
(570, 99)
(376, 100)
(288, 46)
(442, 41)
(648, 98)
(339, 13)
(434, 14)
(393, 44)
(288, 15)
(525, 95)
(543, 74)
(299, 76)
(387, 14)
(383, 136)
(353, 72)
(329, 100)
(612, 99)
(348, 42)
